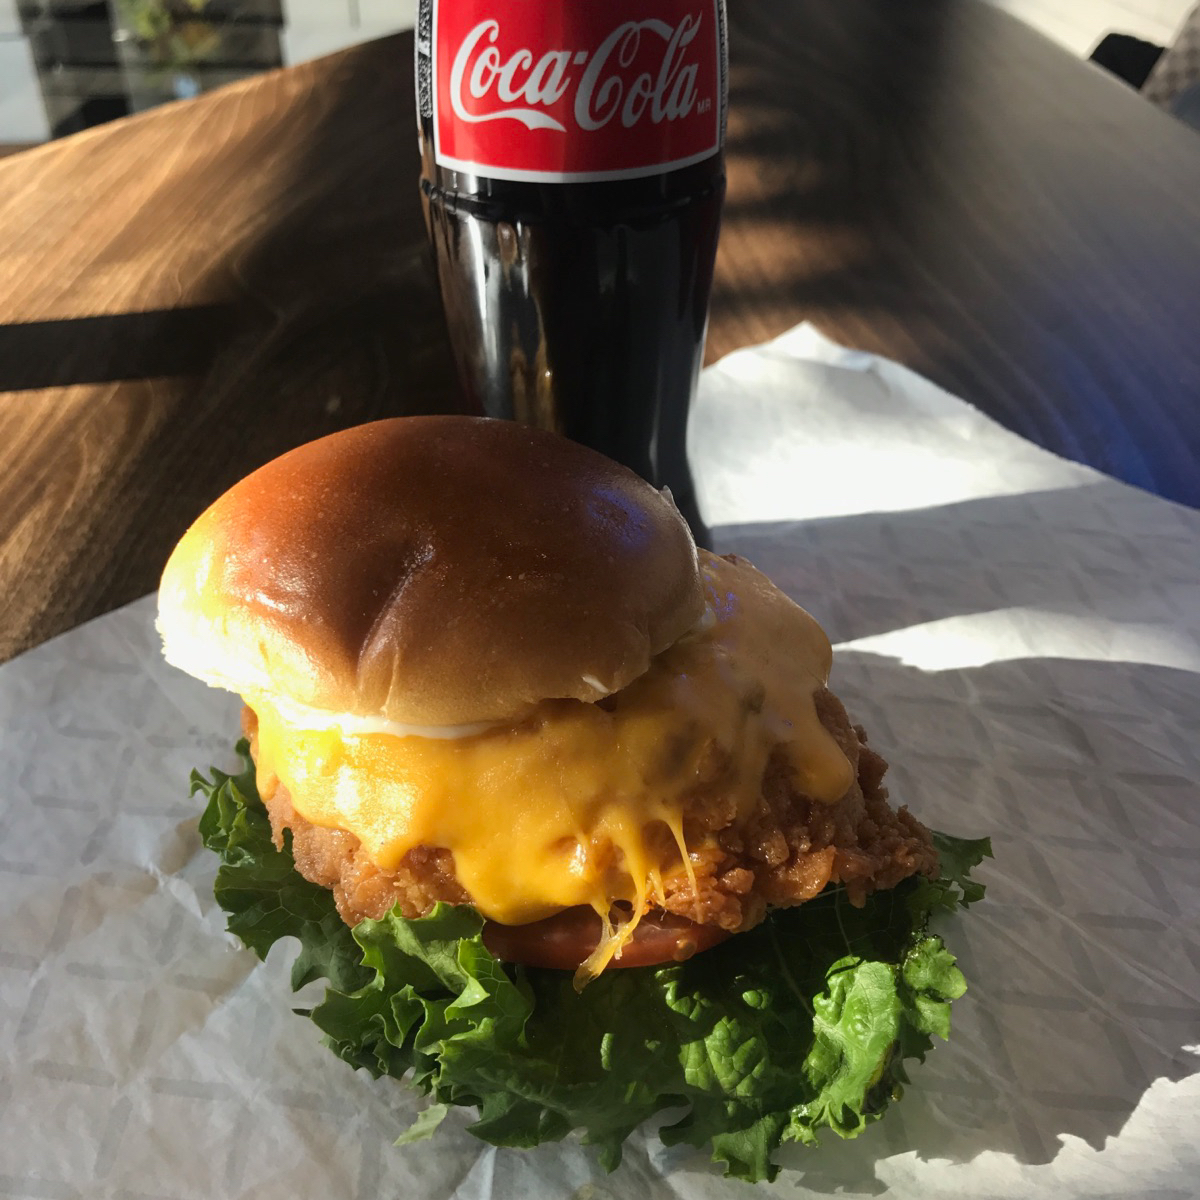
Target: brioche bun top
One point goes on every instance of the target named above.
(431, 571)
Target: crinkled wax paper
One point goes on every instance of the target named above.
(1021, 637)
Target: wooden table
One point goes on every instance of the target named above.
(188, 293)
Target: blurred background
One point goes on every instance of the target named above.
(1080, 25)
(68, 64)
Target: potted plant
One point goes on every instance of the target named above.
(164, 46)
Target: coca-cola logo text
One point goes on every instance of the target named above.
(604, 87)
(615, 89)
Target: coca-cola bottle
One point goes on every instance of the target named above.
(573, 176)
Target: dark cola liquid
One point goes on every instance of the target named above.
(581, 307)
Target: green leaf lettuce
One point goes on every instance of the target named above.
(803, 1023)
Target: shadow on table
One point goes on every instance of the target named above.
(338, 317)
(328, 317)
(111, 347)
(823, 125)
(905, 177)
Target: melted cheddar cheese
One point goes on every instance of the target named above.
(584, 803)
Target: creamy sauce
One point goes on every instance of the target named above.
(582, 803)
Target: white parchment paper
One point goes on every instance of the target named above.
(1021, 637)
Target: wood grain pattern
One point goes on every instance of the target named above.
(264, 263)
(937, 183)
(190, 292)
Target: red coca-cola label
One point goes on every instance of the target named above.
(578, 90)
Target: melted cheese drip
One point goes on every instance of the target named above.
(583, 803)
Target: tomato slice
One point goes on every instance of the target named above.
(563, 941)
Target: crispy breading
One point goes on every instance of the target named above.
(786, 851)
